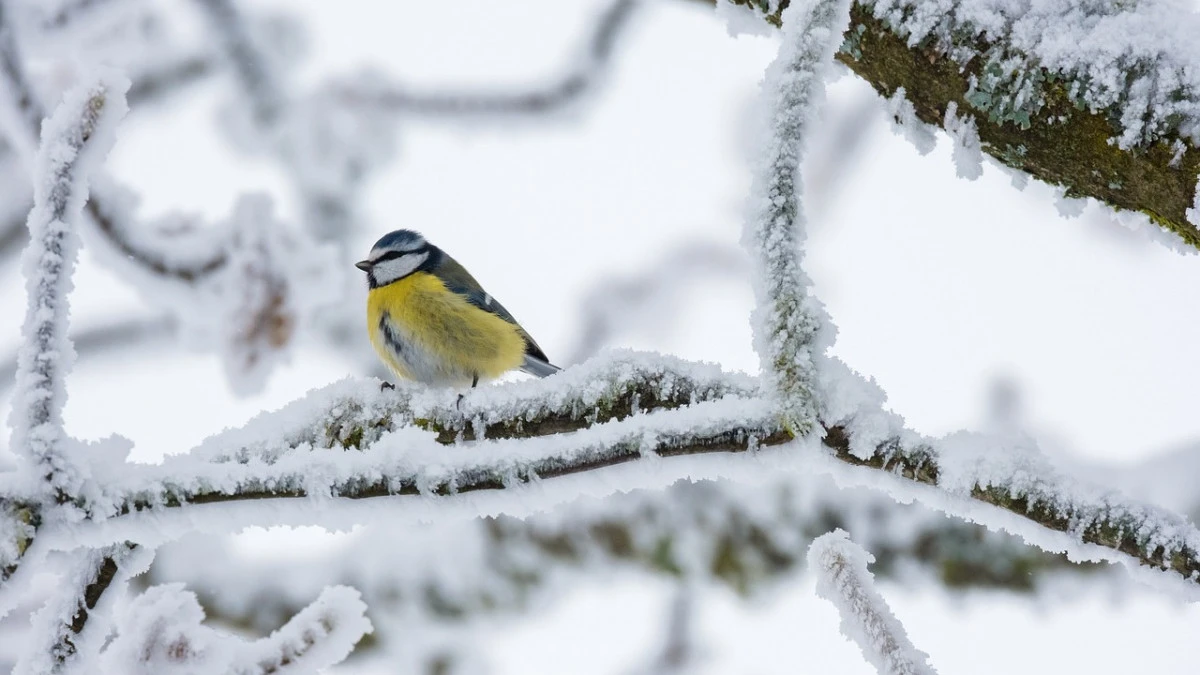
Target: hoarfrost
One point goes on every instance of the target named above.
(74, 141)
(1138, 57)
(906, 123)
(791, 328)
(840, 566)
(274, 280)
(1070, 207)
(742, 19)
(162, 631)
(968, 154)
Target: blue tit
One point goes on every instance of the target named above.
(430, 321)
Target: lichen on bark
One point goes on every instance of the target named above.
(1055, 137)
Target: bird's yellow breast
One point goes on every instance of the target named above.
(437, 336)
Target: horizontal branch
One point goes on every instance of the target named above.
(752, 538)
(354, 442)
(1115, 122)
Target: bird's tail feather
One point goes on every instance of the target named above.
(535, 366)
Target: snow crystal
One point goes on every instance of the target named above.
(791, 328)
(906, 123)
(840, 566)
(968, 154)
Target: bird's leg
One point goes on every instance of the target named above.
(474, 381)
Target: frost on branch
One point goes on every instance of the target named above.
(1104, 97)
(790, 327)
(273, 281)
(162, 632)
(74, 140)
(581, 76)
(906, 123)
(70, 629)
(840, 566)
(968, 159)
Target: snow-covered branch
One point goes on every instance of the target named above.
(252, 68)
(791, 329)
(112, 222)
(162, 632)
(352, 441)
(66, 632)
(840, 566)
(1100, 99)
(74, 140)
(578, 79)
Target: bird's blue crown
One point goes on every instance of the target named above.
(399, 240)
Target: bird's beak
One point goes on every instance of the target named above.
(364, 265)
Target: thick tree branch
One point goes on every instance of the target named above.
(1044, 124)
(750, 538)
(376, 453)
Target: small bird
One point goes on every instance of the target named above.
(430, 321)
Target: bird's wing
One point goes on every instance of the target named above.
(459, 280)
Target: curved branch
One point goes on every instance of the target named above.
(577, 81)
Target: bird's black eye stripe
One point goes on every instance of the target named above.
(392, 255)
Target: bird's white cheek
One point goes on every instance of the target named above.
(391, 270)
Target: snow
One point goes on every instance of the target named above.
(906, 123)
(275, 281)
(74, 141)
(56, 645)
(321, 429)
(968, 154)
(791, 329)
(160, 631)
(321, 635)
(1136, 58)
(840, 566)
(742, 19)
